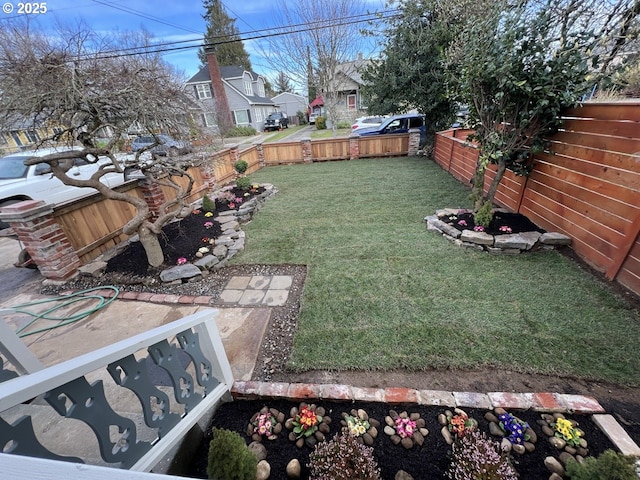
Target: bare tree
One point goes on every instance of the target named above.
(85, 87)
(328, 36)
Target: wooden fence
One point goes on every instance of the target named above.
(588, 188)
(94, 224)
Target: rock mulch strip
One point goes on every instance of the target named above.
(507, 244)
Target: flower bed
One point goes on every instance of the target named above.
(429, 460)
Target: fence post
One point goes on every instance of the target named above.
(414, 142)
(307, 152)
(260, 150)
(354, 147)
(33, 222)
(153, 196)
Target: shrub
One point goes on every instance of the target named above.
(241, 132)
(208, 205)
(321, 123)
(608, 466)
(243, 183)
(475, 453)
(302, 117)
(343, 458)
(229, 458)
(343, 124)
(241, 166)
(484, 215)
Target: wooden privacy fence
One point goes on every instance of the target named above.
(61, 239)
(588, 187)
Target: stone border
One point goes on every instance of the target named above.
(508, 244)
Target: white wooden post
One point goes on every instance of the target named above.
(16, 352)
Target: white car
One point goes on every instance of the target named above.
(20, 182)
(366, 122)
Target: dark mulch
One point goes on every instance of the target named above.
(515, 223)
(178, 239)
(430, 461)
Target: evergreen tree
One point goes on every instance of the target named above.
(223, 34)
(282, 83)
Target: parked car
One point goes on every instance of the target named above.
(166, 145)
(397, 124)
(20, 182)
(276, 121)
(367, 122)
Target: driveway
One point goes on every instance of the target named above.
(13, 280)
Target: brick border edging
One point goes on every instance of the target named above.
(543, 402)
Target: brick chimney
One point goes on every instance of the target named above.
(222, 103)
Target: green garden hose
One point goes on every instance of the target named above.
(65, 300)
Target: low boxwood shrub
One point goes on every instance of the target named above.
(609, 465)
(241, 166)
(229, 458)
(241, 132)
(243, 183)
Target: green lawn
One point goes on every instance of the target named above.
(384, 293)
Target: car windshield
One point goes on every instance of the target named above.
(13, 167)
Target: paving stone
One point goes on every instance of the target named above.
(231, 296)
(335, 392)
(303, 391)
(281, 282)
(368, 394)
(259, 282)
(472, 399)
(508, 400)
(401, 395)
(437, 397)
(617, 434)
(238, 283)
(548, 402)
(251, 297)
(582, 404)
(275, 298)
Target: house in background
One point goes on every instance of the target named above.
(290, 103)
(229, 95)
(347, 84)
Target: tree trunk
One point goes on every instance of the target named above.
(151, 244)
(493, 188)
(477, 191)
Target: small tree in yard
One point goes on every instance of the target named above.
(517, 74)
(78, 85)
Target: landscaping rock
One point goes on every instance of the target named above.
(402, 475)
(207, 262)
(294, 469)
(258, 449)
(478, 238)
(521, 241)
(180, 272)
(554, 466)
(554, 238)
(264, 470)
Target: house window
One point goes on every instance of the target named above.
(32, 136)
(258, 114)
(242, 117)
(261, 89)
(351, 101)
(210, 120)
(16, 138)
(203, 90)
(248, 88)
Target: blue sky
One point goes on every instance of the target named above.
(169, 21)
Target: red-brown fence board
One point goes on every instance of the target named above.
(587, 186)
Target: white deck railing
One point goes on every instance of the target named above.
(182, 350)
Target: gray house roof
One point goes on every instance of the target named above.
(229, 73)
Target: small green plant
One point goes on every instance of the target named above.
(321, 123)
(564, 429)
(343, 458)
(240, 166)
(609, 465)
(243, 183)
(484, 215)
(229, 458)
(475, 453)
(302, 117)
(241, 132)
(343, 124)
(208, 205)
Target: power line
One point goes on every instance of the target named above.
(257, 34)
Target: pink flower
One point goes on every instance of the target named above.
(505, 228)
(478, 228)
(462, 223)
(208, 224)
(181, 261)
